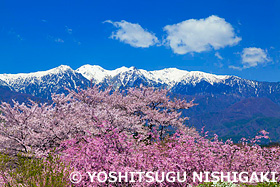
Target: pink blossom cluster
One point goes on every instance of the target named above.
(114, 151)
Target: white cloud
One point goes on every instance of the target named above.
(68, 30)
(19, 37)
(15, 34)
(133, 34)
(217, 54)
(59, 40)
(200, 35)
(235, 67)
(253, 56)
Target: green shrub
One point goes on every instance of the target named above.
(34, 172)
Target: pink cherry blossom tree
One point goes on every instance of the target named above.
(39, 127)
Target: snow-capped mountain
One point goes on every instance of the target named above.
(168, 76)
(181, 82)
(43, 83)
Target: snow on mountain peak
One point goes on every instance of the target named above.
(97, 73)
(9, 78)
(195, 77)
(169, 76)
(62, 68)
(93, 72)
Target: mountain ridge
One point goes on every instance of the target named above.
(44, 83)
(166, 75)
(224, 101)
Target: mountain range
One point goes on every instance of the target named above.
(228, 105)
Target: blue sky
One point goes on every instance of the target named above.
(239, 37)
